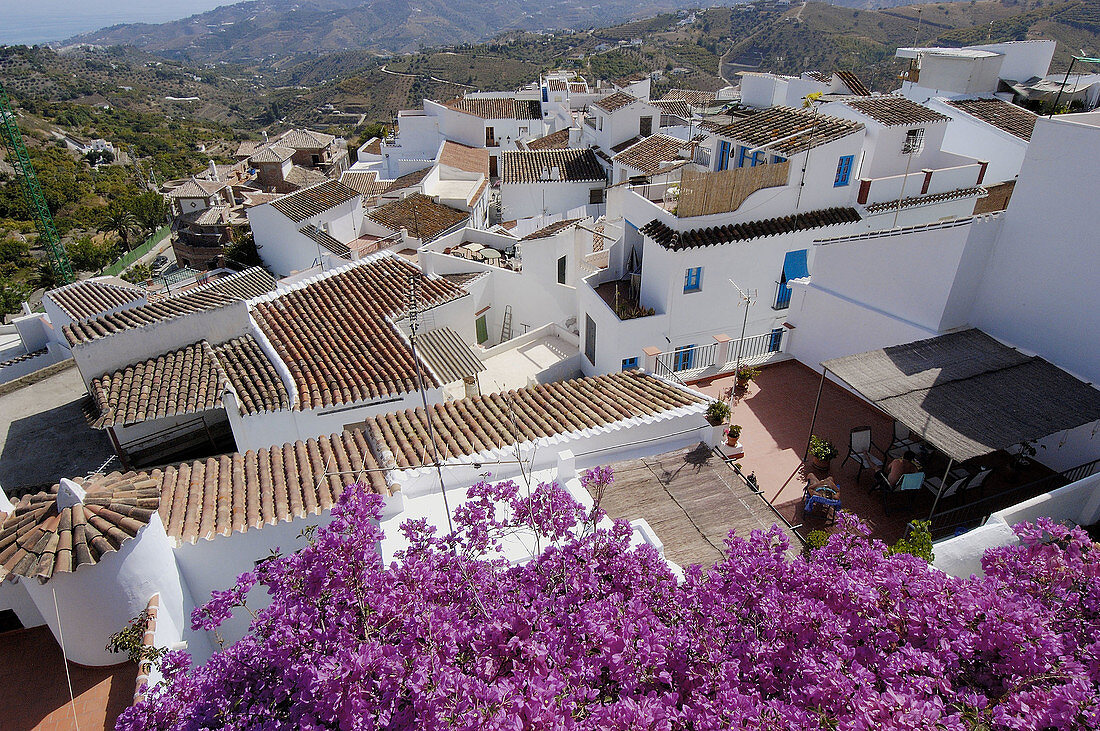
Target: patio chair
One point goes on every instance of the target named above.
(978, 480)
(909, 483)
(861, 449)
(903, 440)
(955, 486)
(829, 505)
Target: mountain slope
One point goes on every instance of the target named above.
(253, 30)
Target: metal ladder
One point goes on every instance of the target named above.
(506, 326)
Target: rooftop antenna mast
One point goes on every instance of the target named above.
(747, 297)
(414, 325)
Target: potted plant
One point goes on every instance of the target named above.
(733, 433)
(744, 375)
(1022, 459)
(718, 412)
(822, 452)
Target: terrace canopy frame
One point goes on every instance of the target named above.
(966, 393)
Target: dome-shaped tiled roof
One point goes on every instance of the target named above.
(46, 535)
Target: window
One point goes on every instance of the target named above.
(741, 156)
(599, 123)
(630, 364)
(723, 160)
(523, 131)
(843, 171)
(778, 158)
(683, 358)
(561, 270)
(776, 340)
(914, 142)
(645, 126)
(693, 279)
(590, 339)
(595, 196)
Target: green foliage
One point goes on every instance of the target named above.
(150, 211)
(718, 412)
(15, 253)
(816, 539)
(121, 221)
(916, 542)
(138, 273)
(822, 448)
(131, 640)
(242, 253)
(86, 255)
(12, 295)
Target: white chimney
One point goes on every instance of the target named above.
(555, 173)
(544, 174)
(214, 172)
(264, 133)
(69, 494)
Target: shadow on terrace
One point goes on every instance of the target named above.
(623, 298)
(775, 413)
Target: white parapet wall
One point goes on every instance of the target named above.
(1075, 504)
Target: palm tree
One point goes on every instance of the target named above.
(121, 221)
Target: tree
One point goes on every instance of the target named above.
(594, 633)
(150, 211)
(86, 255)
(120, 221)
(242, 252)
(12, 296)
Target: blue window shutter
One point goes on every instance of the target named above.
(794, 265)
(741, 156)
(630, 363)
(723, 154)
(691, 279)
(775, 340)
(843, 171)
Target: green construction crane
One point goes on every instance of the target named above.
(32, 191)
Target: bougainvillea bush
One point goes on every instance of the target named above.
(595, 634)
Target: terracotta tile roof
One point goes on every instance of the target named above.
(39, 540)
(333, 335)
(195, 188)
(552, 141)
(578, 87)
(470, 159)
(480, 189)
(367, 183)
(89, 298)
(999, 113)
(312, 201)
(408, 180)
(185, 381)
(927, 200)
(211, 216)
(272, 153)
(242, 285)
(421, 216)
(552, 229)
(508, 108)
(472, 425)
(464, 279)
(676, 107)
(894, 111)
(853, 83)
(252, 375)
(304, 139)
(304, 177)
(613, 102)
(627, 144)
(247, 147)
(533, 166)
(798, 129)
(324, 240)
(819, 76)
(188, 381)
(557, 85)
(652, 153)
(236, 492)
(694, 97)
(676, 241)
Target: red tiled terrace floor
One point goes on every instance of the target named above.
(35, 695)
(775, 415)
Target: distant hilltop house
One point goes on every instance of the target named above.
(295, 159)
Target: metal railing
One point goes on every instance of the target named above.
(683, 361)
(782, 296)
(958, 520)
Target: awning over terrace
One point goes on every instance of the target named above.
(448, 355)
(967, 394)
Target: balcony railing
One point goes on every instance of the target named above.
(688, 363)
(955, 521)
(782, 296)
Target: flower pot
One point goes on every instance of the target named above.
(820, 464)
(731, 440)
